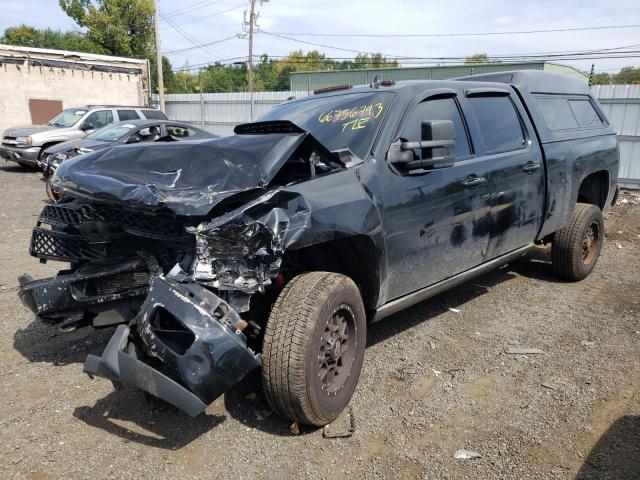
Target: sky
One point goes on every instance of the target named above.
(205, 21)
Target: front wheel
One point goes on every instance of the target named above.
(576, 248)
(314, 347)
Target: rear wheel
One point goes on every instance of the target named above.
(576, 248)
(314, 347)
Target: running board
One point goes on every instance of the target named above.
(416, 297)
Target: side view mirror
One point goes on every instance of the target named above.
(87, 126)
(436, 149)
(133, 139)
(145, 132)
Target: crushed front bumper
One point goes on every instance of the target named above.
(85, 292)
(117, 364)
(194, 337)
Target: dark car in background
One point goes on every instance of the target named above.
(120, 133)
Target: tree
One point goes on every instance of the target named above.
(479, 58)
(627, 75)
(122, 27)
(363, 60)
(168, 76)
(27, 36)
(23, 36)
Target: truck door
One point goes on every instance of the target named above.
(435, 221)
(516, 177)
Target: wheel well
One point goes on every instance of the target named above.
(45, 146)
(594, 189)
(355, 257)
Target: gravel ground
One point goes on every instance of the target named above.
(435, 380)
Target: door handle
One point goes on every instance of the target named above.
(473, 182)
(531, 167)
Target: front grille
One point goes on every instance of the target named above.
(62, 246)
(144, 224)
(55, 245)
(148, 225)
(62, 215)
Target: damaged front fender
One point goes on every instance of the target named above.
(242, 250)
(196, 339)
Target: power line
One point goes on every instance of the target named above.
(207, 16)
(423, 60)
(397, 57)
(189, 37)
(173, 52)
(459, 34)
(328, 46)
(194, 6)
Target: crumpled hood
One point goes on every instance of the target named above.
(27, 130)
(71, 145)
(188, 177)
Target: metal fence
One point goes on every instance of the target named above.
(220, 112)
(622, 105)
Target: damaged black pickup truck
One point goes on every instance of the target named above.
(275, 247)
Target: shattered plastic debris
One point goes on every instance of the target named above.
(294, 428)
(466, 455)
(523, 351)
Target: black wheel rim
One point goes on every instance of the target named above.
(591, 243)
(337, 350)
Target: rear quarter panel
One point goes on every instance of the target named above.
(568, 163)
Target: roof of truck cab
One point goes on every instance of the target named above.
(533, 81)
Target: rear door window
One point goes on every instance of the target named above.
(127, 115)
(100, 118)
(585, 113)
(438, 109)
(499, 123)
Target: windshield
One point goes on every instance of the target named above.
(67, 118)
(338, 121)
(111, 133)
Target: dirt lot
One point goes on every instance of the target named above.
(434, 381)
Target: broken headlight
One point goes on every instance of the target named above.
(56, 159)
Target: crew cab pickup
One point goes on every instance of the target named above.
(275, 247)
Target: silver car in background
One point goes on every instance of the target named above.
(25, 145)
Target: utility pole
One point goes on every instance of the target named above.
(156, 26)
(252, 13)
(252, 22)
(591, 74)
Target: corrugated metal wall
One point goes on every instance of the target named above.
(220, 112)
(622, 105)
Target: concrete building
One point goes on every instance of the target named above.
(309, 81)
(36, 84)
